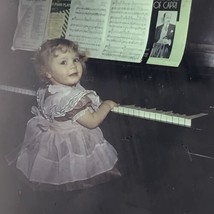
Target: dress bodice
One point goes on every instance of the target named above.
(56, 100)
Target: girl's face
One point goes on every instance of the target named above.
(65, 68)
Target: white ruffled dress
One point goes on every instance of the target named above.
(58, 154)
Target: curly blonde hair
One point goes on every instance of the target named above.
(48, 51)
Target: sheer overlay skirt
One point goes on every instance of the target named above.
(65, 155)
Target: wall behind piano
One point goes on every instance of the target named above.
(153, 152)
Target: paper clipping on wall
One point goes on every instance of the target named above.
(58, 19)
(170, 32)
(31, 30)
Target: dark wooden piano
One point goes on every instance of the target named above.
(163, 128)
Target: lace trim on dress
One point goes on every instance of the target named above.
(64, 99)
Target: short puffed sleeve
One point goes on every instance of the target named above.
(68, 101)
(79, 110)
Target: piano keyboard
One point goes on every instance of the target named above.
(158, 115)
(18, 90)
(132, 110)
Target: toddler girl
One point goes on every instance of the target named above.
(63, 146)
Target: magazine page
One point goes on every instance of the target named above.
(169, 40)
(31, 28)
(115, 30)
(58, 18)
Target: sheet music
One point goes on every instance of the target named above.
(31, 29)
(127, 30)
(115, 30)
(87, 22)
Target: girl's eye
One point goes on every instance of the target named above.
(64, 62)
(76, 59)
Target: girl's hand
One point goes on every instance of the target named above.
(110, 103)
(92, 119)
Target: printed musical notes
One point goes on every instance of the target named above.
(115, 30)
(86, 24)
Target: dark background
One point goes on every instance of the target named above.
(158, 174)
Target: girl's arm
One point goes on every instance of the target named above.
(92, 120)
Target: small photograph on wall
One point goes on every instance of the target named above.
(164, 34)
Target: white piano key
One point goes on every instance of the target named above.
(149, 113)
(137, 113)
(168, 116)
(163, 117)
(146, 113)
(115, 109)
(141, 113)
(175, 119)
(181, 120)
(120, 109)
(131, 112)
(158, 115)
(187, 122)
(152, 114)
(125, 111)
